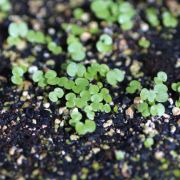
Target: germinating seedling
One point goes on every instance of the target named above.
(169, 20)
(76, 49)
(144, 43)
(152, 16)
(176, 88)
(126, 15)
(105, 44)
(17, 75)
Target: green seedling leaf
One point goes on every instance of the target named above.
(114, 76)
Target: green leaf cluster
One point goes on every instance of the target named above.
(152, 99)
(110, 11)
(83, 89)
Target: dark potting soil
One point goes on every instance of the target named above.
(36, 141)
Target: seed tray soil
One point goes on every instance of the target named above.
(32, 147)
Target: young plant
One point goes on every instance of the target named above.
(105, 10)
(57, 94)
(18, 29)
(114, 76)
(169, 20)
(76, 49)
(148, 143)
(54, 48)
(105, 44)
(133, 87)
(5, 5)
(152, 16)
(176, 87)
(126, 15)
(83, 128)
(17, 77)
(144, 43)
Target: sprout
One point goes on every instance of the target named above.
(157, 109)
(143, 108)
(51, 77)
(71, 100)
(126, 14)
(38, 76)
(152, 16)
(105, 10)
(35, 37)
(169, 20)
(83, 128)
(56, 94)
(93, 89)
(148, 142)
(114, 76)
(54, 48)
(78, 13)
(107, 108)
(5, 5)
(76, 116)
(73, 28)
(143, 42)
(18, 73)
(80, 103)
(133, 87)
(161, 77)
(18, 29)
(74, 69)
(120, 155)
(104, 44)
(76, 50)
(176, 87)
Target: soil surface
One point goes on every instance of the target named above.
(36, 142)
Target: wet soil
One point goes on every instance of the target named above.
(32, 146)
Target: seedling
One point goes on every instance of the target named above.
(78, 13)
(104, 44)
(152, 16)
(74, 69)
(133, 87)
(148, 142)
(76, 116)
(36, 37)
(5, 5)
(176, 88)
(57, 94)
(169, 20)
(144, 43)
(18, 29)
(51, 77)
(73, 29)
(39, 78)
(114, 76)
(54, 48)
(83, 128)
(18, 73)
(120, 155)
(105, 10)
(76, 50)
(126, 14)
